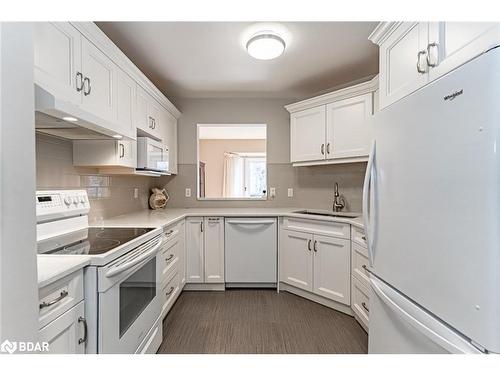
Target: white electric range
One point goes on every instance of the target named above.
(122, 283)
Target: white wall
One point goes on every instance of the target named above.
(18, 272)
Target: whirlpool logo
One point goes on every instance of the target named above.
(12, 347)
(452, 96)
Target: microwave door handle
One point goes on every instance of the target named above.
(127, 265)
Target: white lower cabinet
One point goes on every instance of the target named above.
(195, 272)
(360, 278)
(316, 263)
(214, 249)
(332, 268)
(205, 250)
(360, 301)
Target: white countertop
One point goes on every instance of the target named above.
(54, 267)
(167, 216)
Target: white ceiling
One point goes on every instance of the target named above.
(208, 59)
(236, 131)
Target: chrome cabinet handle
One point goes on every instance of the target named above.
(122, 150)
(322, 149)
(309, 245)
(201, 226)
(363, 238)
(169, 233)
(365, 307)
(314, 247)
(79, 79)
(63, 295)
(170, 291)
(169, 258)
(328, 148)
(86, 81)
(85, 330)
(365, 267)
(429, 46)
(420, 53)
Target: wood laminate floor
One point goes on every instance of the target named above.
(257, 321)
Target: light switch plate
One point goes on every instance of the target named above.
(272, 192)
(290, 192)
(188, 192)
(136, 193)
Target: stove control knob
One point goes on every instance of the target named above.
(82, 199)
(67, 200)
(75, 200)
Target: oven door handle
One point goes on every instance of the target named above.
(133, 262)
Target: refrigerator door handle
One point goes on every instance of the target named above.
(421, 321)
(366, 202)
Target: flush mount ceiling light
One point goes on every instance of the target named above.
(265, 46)
(70, 119)
(117, 136)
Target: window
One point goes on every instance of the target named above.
(232, 161)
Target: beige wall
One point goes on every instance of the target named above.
(109, 195)
(313, 186)
(211, 152)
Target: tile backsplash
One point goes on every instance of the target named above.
(109, 195)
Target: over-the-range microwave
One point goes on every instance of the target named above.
(151, 155)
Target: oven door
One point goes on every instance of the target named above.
(129, 301)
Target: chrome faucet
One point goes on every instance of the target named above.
(338, 201)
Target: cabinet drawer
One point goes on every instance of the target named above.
(168, 258)
(359, 261)
(58, 297)
(359, 305)
(169, 294)
(327, 228)
(358, 236)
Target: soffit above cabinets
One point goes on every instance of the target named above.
(208, 59)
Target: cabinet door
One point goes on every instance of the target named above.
(154, 114)
(100, 75)
(169, 138)
(127, 154)
(141, 110)
(194, 250)
(63, 333)
(125, 104)
(349, 131)
(214, 249)
(296, 259)
(398, 62)
(307, 134)
(453, 43)
(58, 56)
(332, 268)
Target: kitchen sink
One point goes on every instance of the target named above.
(328, 213)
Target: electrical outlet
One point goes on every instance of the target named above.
(290, 192)
(188, 192)
(136, 193)
(272, 192)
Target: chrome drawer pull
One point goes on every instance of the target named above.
(364, 307)
(63, 295)
(309, 245)
(169, 258)
(363, 238)
(315, 248)
(171, 290)
(85, 330)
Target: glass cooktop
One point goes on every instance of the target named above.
(91, 241)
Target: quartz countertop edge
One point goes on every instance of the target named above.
(52, 268)
(169, 216)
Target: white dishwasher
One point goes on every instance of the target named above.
(251, 252)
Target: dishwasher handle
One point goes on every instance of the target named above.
(253, 222)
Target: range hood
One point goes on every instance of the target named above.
(50, 112)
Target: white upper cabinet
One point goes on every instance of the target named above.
(58, 59)
(453, 43)
(307, 134)
(125, 103)
(169, 138)
(104, 153)
(333, 128)
(402, 62)
(214, 249)
(332, 268)
(98, 82)
(348, 128)
(413, 54)
(148, 114)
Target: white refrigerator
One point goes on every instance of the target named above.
(432, 214)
